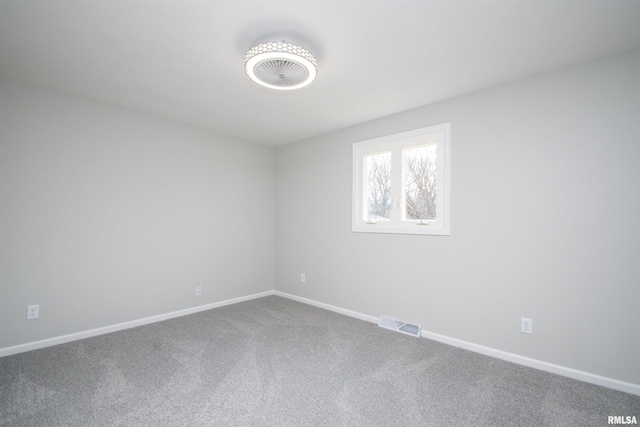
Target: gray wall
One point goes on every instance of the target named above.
(545, 222)
(108, 215)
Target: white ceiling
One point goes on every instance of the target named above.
(183, 60)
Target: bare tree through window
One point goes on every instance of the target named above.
(401, 183)
(378, 182)
(420, 169)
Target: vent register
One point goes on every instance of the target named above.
(400, 326)
(281, 65)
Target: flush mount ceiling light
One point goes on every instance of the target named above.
(280, 65)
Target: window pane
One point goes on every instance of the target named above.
(420, 170)
(377, 169)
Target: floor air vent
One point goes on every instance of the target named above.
(400, 326)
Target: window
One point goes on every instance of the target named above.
(401, 183)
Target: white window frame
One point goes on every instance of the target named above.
(395, 143)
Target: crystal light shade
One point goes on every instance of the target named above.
(280, 65)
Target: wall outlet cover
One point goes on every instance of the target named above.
(526, 325)
(33, 311)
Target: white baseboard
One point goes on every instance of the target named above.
(329, 307)
(488, 351)
(125, 325)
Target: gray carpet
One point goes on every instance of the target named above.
(276, 362)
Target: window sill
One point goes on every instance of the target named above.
(428, 230)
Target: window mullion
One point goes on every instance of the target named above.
(396, 184)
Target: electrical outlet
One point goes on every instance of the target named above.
(303, 278)
(33, 311)
(526, 326)
(198, 291)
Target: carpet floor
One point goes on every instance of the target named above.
(276, 362)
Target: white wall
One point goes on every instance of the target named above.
(545, 222)
(108, 215)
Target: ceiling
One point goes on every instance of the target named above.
(183, 60)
